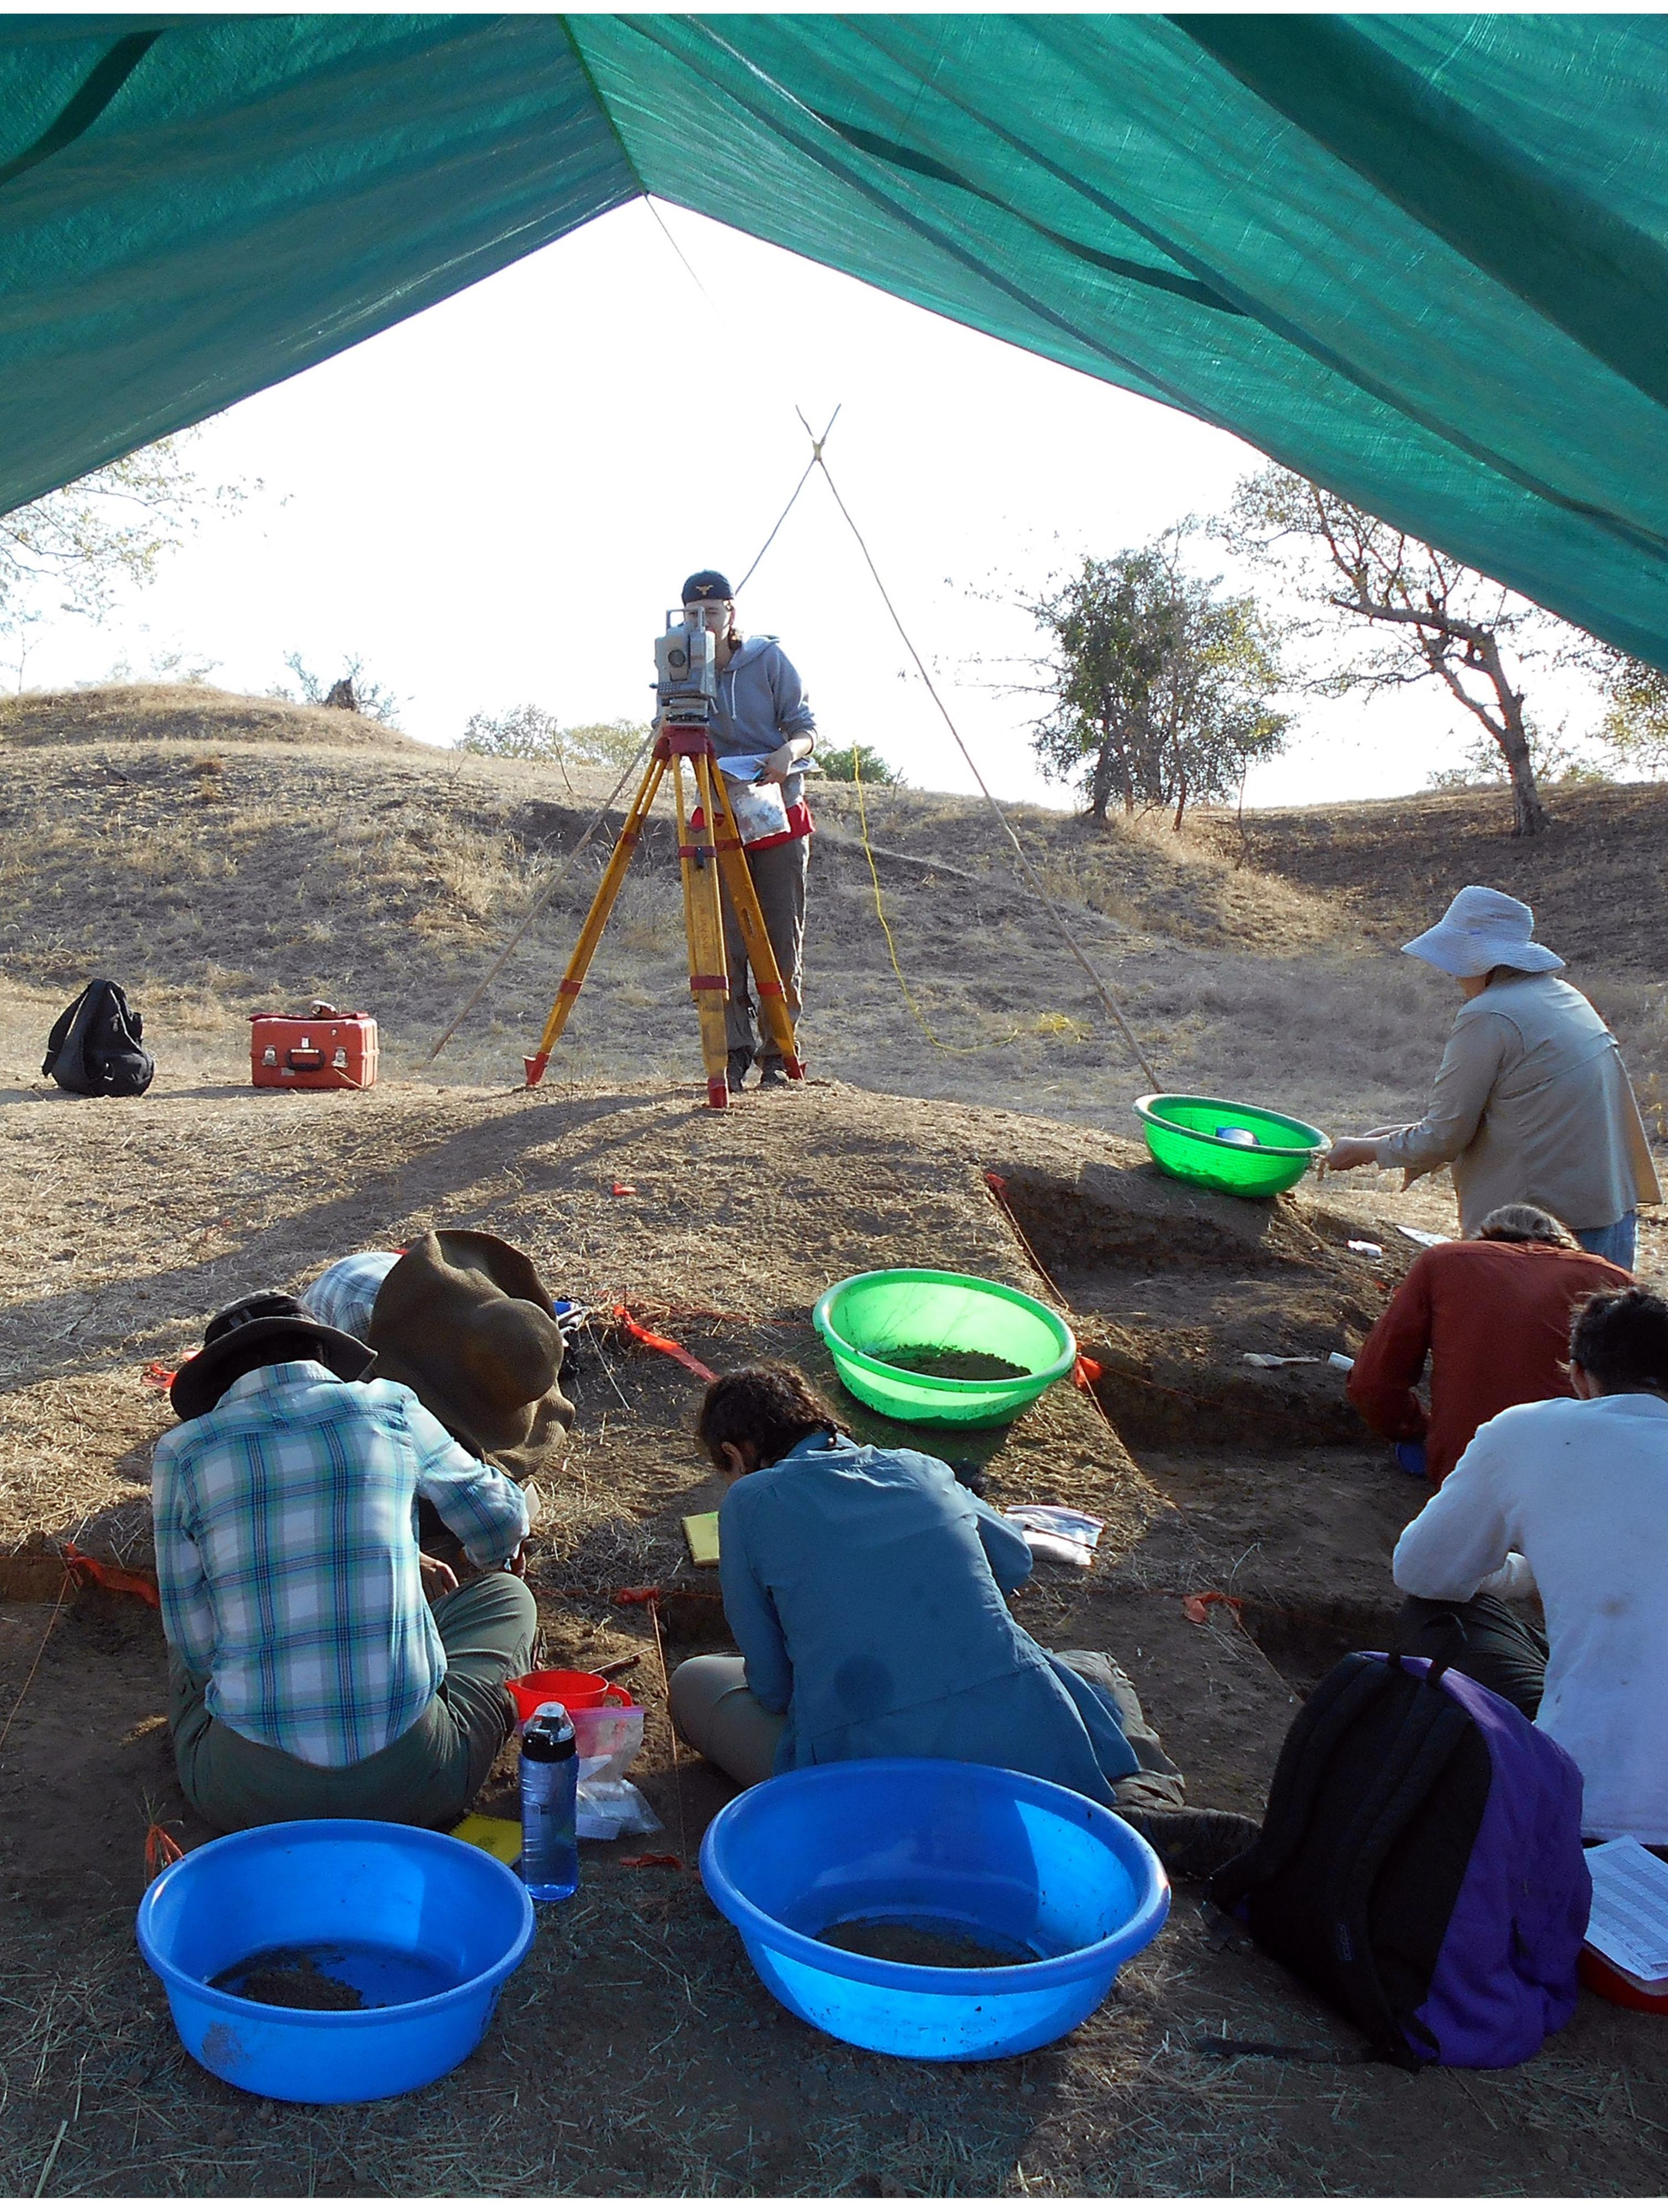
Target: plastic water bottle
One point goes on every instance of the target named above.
(549, 1785)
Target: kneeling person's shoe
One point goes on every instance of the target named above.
(1193, 1845)
(773, 1076)
(739, 1064)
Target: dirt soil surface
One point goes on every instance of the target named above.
(636, 2052)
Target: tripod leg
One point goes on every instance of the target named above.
(761, 955)
(597, 920)
(703, 922)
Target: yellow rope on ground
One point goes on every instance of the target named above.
(961, 1051)
(1021, 856)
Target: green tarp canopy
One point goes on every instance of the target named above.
(1420, 258)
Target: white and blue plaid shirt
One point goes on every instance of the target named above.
(287, 1555)
(344, 1294)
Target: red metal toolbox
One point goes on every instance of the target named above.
(324, 1050)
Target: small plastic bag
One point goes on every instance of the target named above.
(607, 1739)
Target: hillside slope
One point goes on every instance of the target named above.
(220, 855)
(1596, 878)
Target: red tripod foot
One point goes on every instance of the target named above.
(717, 1092)
(536, 1065)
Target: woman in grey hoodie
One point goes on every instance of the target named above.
(763, 720)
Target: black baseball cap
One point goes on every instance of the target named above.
(707, 584)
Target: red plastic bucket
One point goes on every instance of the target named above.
(1605, 1980)
(564, 1686)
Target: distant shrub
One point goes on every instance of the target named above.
(845, 762)
(525, 733)
(352, 690)
(530, 732)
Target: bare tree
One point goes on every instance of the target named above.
(1411, 614)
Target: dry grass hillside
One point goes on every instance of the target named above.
(1597, 878)
(220, 855)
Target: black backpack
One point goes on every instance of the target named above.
(95, 1046)
(1421, 1865)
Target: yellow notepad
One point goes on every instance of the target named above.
(502, 1838)
(700, 1534)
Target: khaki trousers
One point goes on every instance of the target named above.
(426, 1778)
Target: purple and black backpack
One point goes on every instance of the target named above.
(1421, 1865)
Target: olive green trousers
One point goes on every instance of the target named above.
(426, 1777)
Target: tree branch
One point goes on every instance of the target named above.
(1444, 624)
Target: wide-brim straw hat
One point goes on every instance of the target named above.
(463, 1321)
(266, 1317)
(1480, 930)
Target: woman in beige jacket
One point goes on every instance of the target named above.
(1531, 1105)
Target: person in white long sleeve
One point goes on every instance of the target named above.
(1571, 1496)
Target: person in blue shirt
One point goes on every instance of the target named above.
(762, 716)
(867, 1589)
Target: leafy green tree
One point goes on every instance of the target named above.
(1635, 727)
(846, 764)
(1160, 687)
(73, 552)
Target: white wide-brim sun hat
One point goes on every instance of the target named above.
(1480, 930)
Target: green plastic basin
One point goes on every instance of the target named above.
(1182, 1139)
(866, 1316)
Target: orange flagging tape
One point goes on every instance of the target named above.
(1087, 1372)
(160, 1850)
(672, 1349)
(1197, 1607)
(131, 1582)
(653, 1858)
(158, 1377)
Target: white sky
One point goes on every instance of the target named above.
(497, 501)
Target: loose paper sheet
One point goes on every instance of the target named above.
(1629, 1923)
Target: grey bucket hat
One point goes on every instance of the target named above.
(1480, 930)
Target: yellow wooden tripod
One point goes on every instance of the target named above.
(708, 854)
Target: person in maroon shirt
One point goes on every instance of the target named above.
(1492, 1315)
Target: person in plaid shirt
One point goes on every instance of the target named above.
(320, 1667)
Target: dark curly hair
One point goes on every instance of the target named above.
(1621, 1338)
(771, 1408)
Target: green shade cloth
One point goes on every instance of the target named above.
(1420, 258)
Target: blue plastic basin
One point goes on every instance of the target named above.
(1018, 1864)
(427, 1928)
